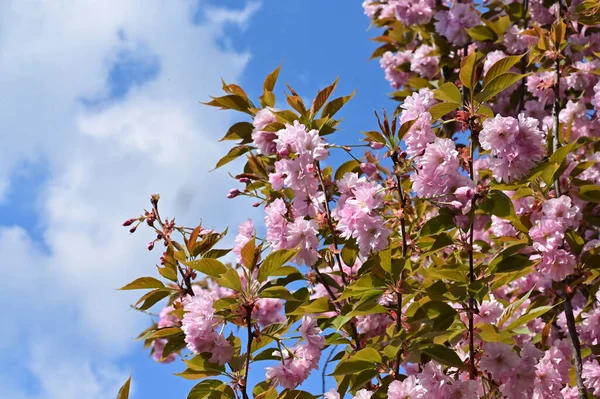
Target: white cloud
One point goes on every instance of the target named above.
(103, 162)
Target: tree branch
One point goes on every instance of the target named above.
(244, 382)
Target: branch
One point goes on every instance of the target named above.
(472, 370)
(244, 382)
(575, 342)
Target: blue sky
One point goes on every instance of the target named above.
(100, 110)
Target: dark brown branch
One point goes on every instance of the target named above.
(472, 370)
(244, 381)
(574, 338)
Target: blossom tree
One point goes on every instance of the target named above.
(455, 254)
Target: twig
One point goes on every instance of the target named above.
(324, 372)
(472, 370)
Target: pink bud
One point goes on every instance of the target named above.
(256, 204)
(234, 192)
(244, 180)
(368, 168)
(464, 194)
(375, 145)
(128, 222)
(150, 245)
(132, 230)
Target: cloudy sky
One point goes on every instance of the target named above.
(100, 108)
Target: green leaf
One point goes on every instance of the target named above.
(500, 67)
(482, 33)
(527, 317)
(239, 131)
(295, 394)
(248, 253)
(319, 305)
(124, 391)
(364, 359)
(439, 313)
(440, 109)
(268, 98)
(201, 364)
(448, 92)
(443, 355)
(513, 263)
(210, 267)
(499, 84)
(232, 155)
(334, 106)
(151, 298)
(437, 224)
(467, 70)
(590, 193)
(349, 253)
(274, 261)
(512, 308)
(211, 389)
(232, 101)
(322, 98)
(351, 166)
(160, 333)
(230, 279)
(143, 283)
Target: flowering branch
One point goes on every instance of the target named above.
(250, 338)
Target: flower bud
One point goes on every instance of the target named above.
(375, 145)
(234, 192)
(150, 245)
(244, 180)
(128, 222)
(368, 168)
(464, 194)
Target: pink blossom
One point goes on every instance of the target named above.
(590, 327)
(277, 224)
(541, 14)
(245, 234)
(368, 168)
(516, 42)
(410, 388)
(416, 104)
(502, 227)
(541, 85)
(198, 325)
(591, 376)
(465, 389)
(222, 352)
(302, 234)
(547, 234)
(331, 394)
(297, 139)
(557, 264)
(310, 331)
(499, 360)
(363, 394)
(452, 24)
(562, 210)
(264, 140)
(373, 325)
(391, 63)
(158, 347)
(167, 319)
(423, 62)
(596, 98)
(419, 135)
(516, 145)
(269, 311)
(411, 12)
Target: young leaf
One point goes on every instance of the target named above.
(124, 391)
(467, 70)
(232, 155)
(500, 67)
(482, 33)
(334, 106)
(443, 355)
(440, 109)
(143, 283)
(239, 131)
(499, 84)
(448, 92)
(322, 97)
(274, 261)
(230, 279)
(210, 267)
